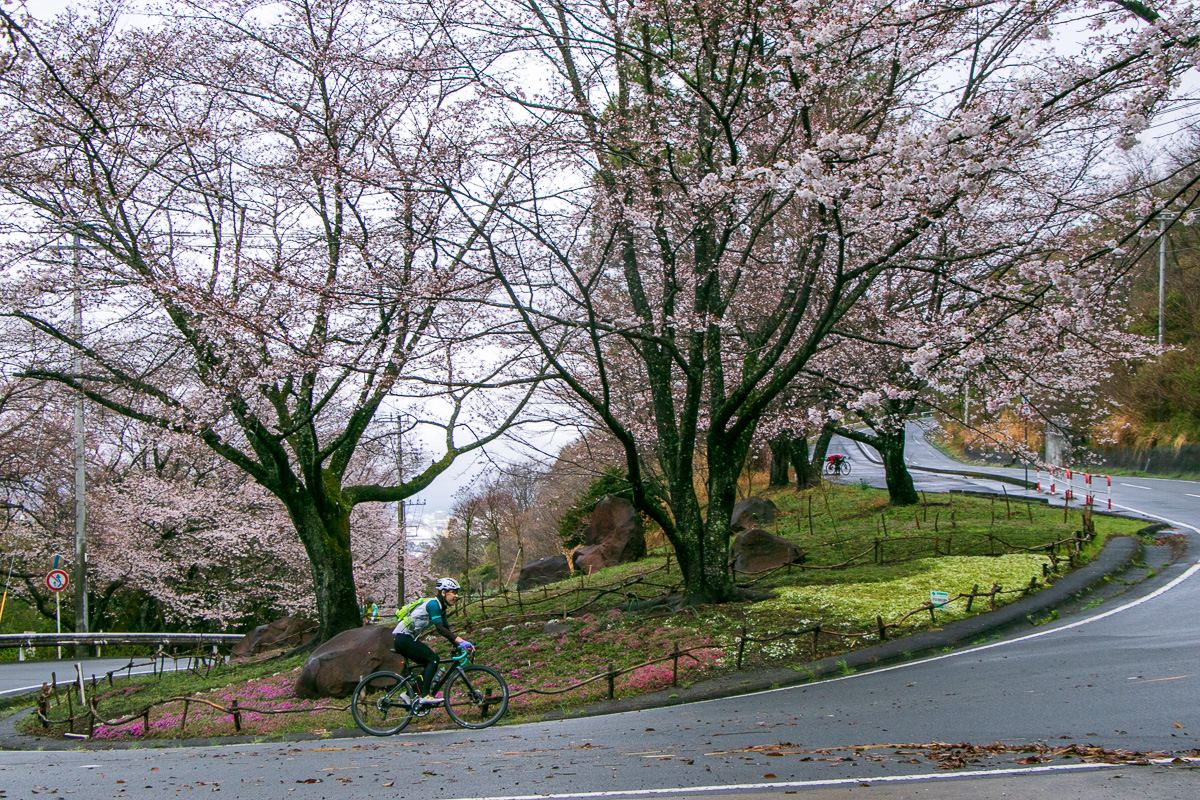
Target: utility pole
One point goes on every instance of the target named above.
(1163, 218)
(402, 532)
(81, 595)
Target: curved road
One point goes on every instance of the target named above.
(1123, 677)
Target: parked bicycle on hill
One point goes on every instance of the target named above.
(475, 696)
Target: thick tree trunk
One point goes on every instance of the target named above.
(813, 467)
(326, 538)
(781, 448)
(701, 537)
(901, 491)
(703, 551)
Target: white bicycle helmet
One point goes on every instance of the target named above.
(447, 585)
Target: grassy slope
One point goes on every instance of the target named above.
(950, 543)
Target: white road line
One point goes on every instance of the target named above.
(1135, 486)
(1192, 495)
(745, 787)
(34, 688)
(1158, 517)
(1189, 573)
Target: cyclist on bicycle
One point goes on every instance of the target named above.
(427, 612)
(835, 461)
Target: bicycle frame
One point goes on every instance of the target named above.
(474, 696)
(411, 671)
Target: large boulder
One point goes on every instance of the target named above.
(616, 526)
(756, 550)
(336, 667)
(592, 557)
(551, 569)
(753, 512)
(282, 634)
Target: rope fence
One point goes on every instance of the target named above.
(500, 603)
(84, 715)
(89, 716)
(1070, 546)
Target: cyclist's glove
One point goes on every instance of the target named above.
(465, 645)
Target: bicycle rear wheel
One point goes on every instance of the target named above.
(377, 705)
(476, 696)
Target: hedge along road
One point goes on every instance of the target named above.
(1120, 677)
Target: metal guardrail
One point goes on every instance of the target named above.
(95, 639)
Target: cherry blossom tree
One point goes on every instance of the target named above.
(268, 263)
(1040, 321)
(712, 191)
(177, 535)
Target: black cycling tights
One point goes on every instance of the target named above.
(410, 648)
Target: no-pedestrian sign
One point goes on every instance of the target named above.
(57, 580)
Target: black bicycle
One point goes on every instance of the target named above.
(837, 466)
(475, 696)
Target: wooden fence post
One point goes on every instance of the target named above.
(183, 719)
(995, 590)
(971, 597)
(816, 632)
(675, 665)
(237, 716)
(882, 628)
(612, 677)
(43, 705)
(741, 648)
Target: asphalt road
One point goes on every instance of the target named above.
(1123, 677)
(19, 677)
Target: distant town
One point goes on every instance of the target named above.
(424, 529)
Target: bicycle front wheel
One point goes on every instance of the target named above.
(377, 705)
(844, 469)
(476, 696)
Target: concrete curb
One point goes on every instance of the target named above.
(1117, 554)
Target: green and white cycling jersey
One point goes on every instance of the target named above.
(428, 612)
